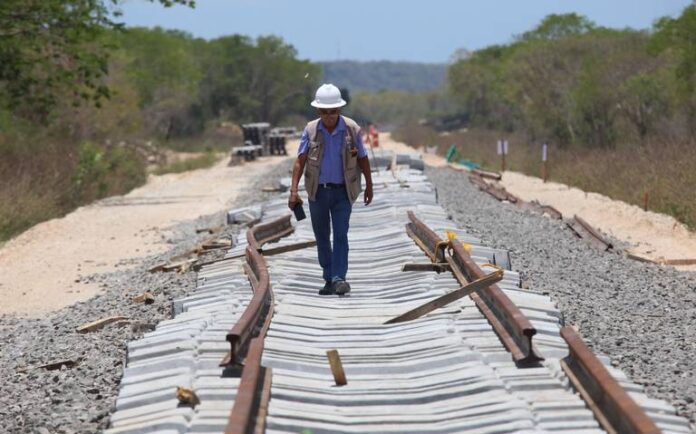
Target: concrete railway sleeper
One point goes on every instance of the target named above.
(444, 372)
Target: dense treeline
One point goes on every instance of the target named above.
(83, 102)
(167, 84)
(376, 76)
(183, 83)
(617, 107)
(569, 81)
(391, 108)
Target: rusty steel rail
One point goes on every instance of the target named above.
(251, 401)
(257, 271)
(613, 407)
(499, 193)
(581, 227)
(269, 232)
(512, 327)
(248, 413)
(615, 410)
(243, 330)
(553, 212)
(486, 174)
(426, 239)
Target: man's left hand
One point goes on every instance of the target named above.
(368, 194)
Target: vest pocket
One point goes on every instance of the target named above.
(313, 153)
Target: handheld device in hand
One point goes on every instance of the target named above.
(299, 212)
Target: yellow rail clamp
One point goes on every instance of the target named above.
(467, 247)
(488, 264)
(451, 235)
(440, 246)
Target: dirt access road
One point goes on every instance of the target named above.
(43, 268)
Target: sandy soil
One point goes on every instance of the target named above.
(42, 267)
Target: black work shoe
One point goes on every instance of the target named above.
(328, 289)
(341, 287)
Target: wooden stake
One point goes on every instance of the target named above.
(645, 201)
(96, 325)
(336, 367)
(448, 298)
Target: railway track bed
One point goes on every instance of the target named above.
(493, 362)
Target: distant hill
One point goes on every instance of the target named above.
(384, 75)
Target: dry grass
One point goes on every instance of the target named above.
(200, 162)
(666, 170)
(40, 181)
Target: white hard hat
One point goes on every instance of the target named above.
(328, 96)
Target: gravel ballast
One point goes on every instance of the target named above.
(79, 399)
(642, 316)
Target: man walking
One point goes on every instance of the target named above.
(331, 156)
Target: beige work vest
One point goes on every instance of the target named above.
(351, 171)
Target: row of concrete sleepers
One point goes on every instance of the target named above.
(445, 372)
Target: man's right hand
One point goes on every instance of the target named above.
(293, 200)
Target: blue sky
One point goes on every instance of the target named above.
(428, 31)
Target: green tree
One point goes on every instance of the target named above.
(255, 81)
(164, 67)
(477, 84)
(677, 38)
(559, 26)
(52, 49)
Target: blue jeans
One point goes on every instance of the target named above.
(331, 208)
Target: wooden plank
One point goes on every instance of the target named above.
(57, 365)
(220, 243)
(678, 261)
(635, 257)
(157, 268)
(179, 266)
(171, 266)
(599, 240)
(336, 367)
(146, 298)
(487, 174)
(273, 189)
(674, 262)
(448, 298)
(96, 325)
(214, 230)
(287, 248)
(439, 267)
(198, 265)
